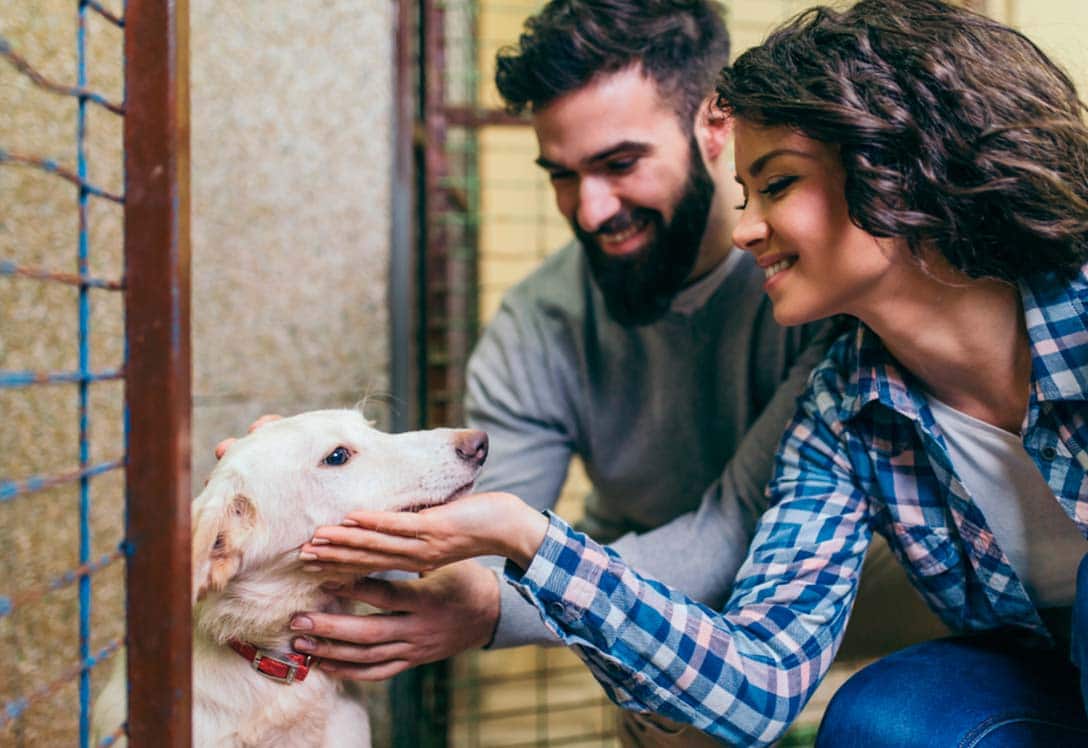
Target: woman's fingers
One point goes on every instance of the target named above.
(423, 541)
(361, 563)
(407, 524)
(363, 538)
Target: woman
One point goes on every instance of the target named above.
(924, 171)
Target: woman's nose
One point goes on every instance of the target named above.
(751, 230)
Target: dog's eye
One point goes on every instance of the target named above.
(338, 456)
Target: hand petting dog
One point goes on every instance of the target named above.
(480, 525)
(423, 620)
(452, 606)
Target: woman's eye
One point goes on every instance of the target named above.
(743, 205)
(777, 184)
(338, 456)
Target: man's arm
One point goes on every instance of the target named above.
(517, 391)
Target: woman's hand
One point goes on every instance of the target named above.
(479, 525)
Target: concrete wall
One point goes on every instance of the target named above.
(291, 161)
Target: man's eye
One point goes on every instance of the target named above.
(337, 457)
(559, 176)
(777, 184)
(621, 166)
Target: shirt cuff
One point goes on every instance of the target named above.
(562, 580)
(519, 622)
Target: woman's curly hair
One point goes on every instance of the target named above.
(956, 133)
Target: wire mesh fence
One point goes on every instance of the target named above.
(61, 359)
(65, 465)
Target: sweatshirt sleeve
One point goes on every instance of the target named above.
(516, 392)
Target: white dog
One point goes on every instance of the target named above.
(264, 499)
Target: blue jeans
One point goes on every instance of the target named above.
(980, 691)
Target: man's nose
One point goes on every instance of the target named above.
(471, 445)
(596, 204)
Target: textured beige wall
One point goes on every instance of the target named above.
(291, 132)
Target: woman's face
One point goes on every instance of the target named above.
(795, 221)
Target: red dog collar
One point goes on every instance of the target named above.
(286, 668)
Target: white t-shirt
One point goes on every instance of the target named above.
(1043, 545)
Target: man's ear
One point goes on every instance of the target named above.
(222, 523)
(713, 129)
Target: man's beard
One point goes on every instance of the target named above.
(638, 288)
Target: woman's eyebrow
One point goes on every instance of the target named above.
(761, 162)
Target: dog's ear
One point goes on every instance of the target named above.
(220, 529)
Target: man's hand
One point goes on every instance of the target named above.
(431, 618)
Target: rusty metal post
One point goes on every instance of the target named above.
(158, 393)
(440, 361)
(407, 345)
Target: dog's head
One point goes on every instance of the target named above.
(274, 487)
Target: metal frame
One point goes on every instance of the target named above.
(157, 386)
(406, 345)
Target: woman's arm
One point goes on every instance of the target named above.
(743, 674)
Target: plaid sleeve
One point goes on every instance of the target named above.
(744, 674)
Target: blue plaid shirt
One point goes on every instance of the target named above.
(862, 453)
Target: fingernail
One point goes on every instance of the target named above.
(307, 556)
(301, 623)
(312, 567)
(332, 585)
(320, 541)
(349, 523)
(304, 644)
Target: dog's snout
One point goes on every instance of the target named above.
(471, 445)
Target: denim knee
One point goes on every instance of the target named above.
(977, 692)
(864, 712)
(1079, 646)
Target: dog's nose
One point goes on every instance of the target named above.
(471, 445)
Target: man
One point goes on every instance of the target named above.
(646, 347)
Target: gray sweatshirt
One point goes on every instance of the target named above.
(677, 421)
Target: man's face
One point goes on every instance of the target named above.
(633, 186)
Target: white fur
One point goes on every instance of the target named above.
(264, 499)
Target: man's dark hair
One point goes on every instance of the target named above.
(680, 44)
(956, 133)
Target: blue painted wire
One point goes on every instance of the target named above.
(11, 379)
(9, 489)
(84, 387)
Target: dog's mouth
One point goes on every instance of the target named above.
(421, 505)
